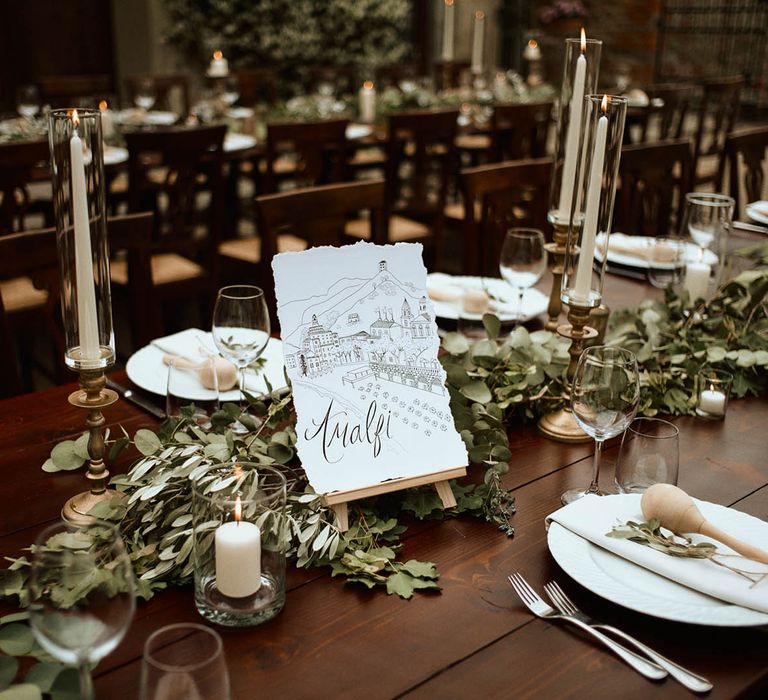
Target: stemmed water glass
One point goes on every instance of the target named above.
(707, 218)
(145, 96)
(241, 330)
(81, 594)
(28, 101)
(523, 261)
(604, 399)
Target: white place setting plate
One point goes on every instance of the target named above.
(240, 112)
(504, 299)
(114, 155)
(358, 131)
(758, 211)
(238, 142)
(635, 587)
(692, 252)
(154, 118)
(146, 369)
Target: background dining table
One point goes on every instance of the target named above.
(475, 638)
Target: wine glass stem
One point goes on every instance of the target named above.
(86, 682)
(519, 318)
(243, 400)
(593, 487)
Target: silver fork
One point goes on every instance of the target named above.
(690, 680)
(538, 607)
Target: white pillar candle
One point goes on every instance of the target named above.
(87, 320)
(478, 40)
(219, 66)
(367, 102)
(107, 120)
(571, 147)
(696, 280)
(448, 31)
(589, 230)
(532, 52)
(238, 557)
(712, 401)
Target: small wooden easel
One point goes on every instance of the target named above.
(338, 500)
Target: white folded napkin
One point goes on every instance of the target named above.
(592, 517)
(195, 345)
(638, 247)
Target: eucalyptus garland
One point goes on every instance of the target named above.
(493, 386)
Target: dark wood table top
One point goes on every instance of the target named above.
(474, 639)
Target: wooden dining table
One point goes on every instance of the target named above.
(474, 639)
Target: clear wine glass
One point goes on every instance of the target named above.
(81, 594)
(523, 261)
(667, 262)
(707, 218)
(604, 398)
(145, 96)
(28, 101)
(231, 91)
(241, 329)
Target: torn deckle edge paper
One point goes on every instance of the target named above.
(360, 344)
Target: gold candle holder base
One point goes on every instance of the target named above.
(556, 251)
(92, 396)
(561, 425)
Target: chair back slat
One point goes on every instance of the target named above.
(18, 163)
(747, 153)
(498, 197)
(520, 130)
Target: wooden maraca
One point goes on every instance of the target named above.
(676, 511)
(225, 371)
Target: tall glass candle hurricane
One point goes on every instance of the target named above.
(77, 163)
(580, 72)
(597, 172)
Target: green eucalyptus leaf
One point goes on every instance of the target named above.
(23, 691)
(16, 639)
(8, 669)
(477, 391)
(146, 442)
(65, 456)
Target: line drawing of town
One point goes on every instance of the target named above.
(360, 346)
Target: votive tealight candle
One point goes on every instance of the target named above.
(238, 556)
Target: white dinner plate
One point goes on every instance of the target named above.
(758, 211)
(238, 142)
(146, 369)
(692, 254)
(114, 155)
(154, 118)
(239, 112)
(358, 131)
(504, 299)
(622, 582)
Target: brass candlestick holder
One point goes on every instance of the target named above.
(561, 425)
(556, 250)
(92, 396)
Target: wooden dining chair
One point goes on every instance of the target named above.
(716, 116)
(497, 197)
(178, 175)
(421, 158)
(747, 153)
(314, 216)
(667, 121)
(30, 291)
(520, 130)
(653, 179)
(19, 162)
(171, 90)
(66, 90)
(307, 153)
(257, 86)
(448, 75)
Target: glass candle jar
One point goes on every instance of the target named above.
(714, 388)
(238, 543)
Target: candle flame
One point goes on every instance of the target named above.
(218, 55)
(533, 43)
(103, 105)
(604, 104)
(583, 41)
(368, 85)
(75, 118)
(480, 15)
(238, 510)
(448, 3)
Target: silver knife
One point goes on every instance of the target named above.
(135, 399)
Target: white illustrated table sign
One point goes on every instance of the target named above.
(360, 344)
